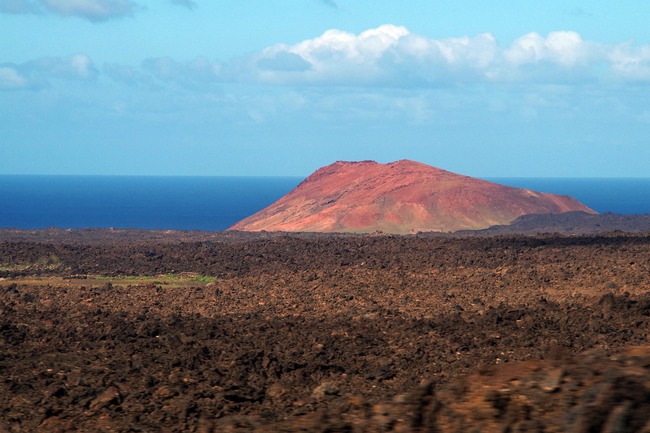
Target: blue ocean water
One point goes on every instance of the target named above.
(177, 203)
(616, 195)
(215, 203)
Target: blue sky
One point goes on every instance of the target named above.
(282, 87)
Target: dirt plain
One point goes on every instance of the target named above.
(130, 331)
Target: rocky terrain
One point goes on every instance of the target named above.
(400, 197)
(118, 331)
(577, 223)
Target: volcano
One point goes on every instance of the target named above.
(400, 197)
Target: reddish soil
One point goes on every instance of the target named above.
(400, 197)
(325, 333)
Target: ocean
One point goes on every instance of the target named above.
(215, 203)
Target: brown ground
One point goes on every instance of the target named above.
(324, 333)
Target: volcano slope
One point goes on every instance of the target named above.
(400, 197)
(325, 333)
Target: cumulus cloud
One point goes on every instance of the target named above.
(284, 61)
(630, 63)
(564, 48)
(393, 56)
(336, 56)
(11, 78)
(74, 67)
(92, 10)
(386, 56)
(38, 73)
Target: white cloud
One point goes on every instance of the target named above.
(565, 50)
(392, 56)
(386, 56)
(74, 67)
(10, 78)
(422, 60)
(284, 61)
(336, 57)
(92, 10)
(38, 73)
(630, 63)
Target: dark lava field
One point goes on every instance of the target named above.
(129, 331)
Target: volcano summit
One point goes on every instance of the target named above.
(400, 197)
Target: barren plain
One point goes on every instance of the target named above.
(129, 331)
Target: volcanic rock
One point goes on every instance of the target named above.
(400, 197)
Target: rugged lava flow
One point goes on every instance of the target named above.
(400, 197)
(324, 333)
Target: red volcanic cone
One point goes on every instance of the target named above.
(399, 197)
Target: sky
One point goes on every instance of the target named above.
(282, 87)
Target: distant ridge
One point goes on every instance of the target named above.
(572, 223)
(400, 197)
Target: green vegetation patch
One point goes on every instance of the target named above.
(182, 277)
(49, 263)
(180, 280)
